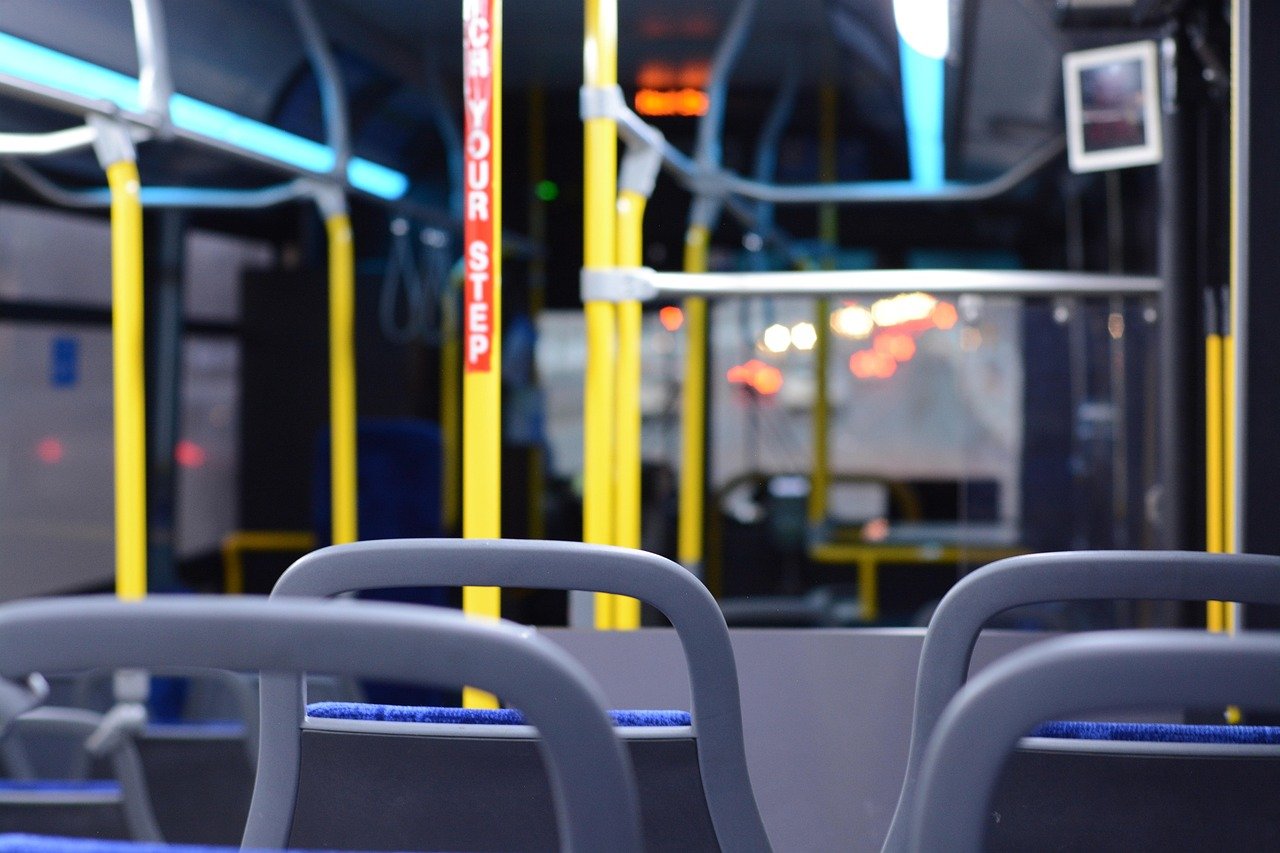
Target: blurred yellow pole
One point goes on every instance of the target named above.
(693, 424)
(1215, 533)
(128, 380)
(482, 298)
(829, 234)
(631, 205)
(342, 378)
(600, 168)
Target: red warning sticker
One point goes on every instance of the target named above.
(479, 235)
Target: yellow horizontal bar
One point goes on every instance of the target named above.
(237, 542)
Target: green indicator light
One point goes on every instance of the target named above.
(547, 190)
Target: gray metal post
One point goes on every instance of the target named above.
(1175, 271)
(164, 325)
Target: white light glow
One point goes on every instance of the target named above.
(852, 321)
(777, 338)
(925, 25)
(903, 308)
(804, 336)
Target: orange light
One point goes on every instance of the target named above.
(872, 364)
(896, 345)
(694, 74)
(188, 454)
(944, 315)
(671, 102)
(49, 450)
(671, 317)
(764, 379)
(656, 75)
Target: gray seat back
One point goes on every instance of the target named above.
(1090, 672)
(596, 803)
(693, 612)
(1066, 576)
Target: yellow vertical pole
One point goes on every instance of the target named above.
(342, 377)
(631, 205)
(482, 297)
(829, 234)
(693, 424)
(128, 380)
(600, 153)
(1229, 399)
(1215, 534)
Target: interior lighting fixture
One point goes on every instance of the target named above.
(924, 25)
(39, 64)
(776, 339)
(924, 38)
(671, 102)
(804, 336)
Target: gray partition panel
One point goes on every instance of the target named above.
(826, 716)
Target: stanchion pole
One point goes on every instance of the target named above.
(600, 153)
(482, 297)
(116, 155)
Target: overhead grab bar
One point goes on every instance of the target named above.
(155, 81)
(53, 142)
(162, 197)
(333, 100)
(647, 284)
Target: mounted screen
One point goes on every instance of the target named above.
(1113, 107)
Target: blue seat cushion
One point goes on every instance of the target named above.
(95, 786)
(19, 843)
(472, 716)
(1159, 732)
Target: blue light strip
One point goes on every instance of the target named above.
(923, 105)
(29, 61)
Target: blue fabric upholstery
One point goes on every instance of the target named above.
(472, 716)
(1159, 732)
(18, 843)
(70, 785)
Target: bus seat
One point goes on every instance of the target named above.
(1054, 577)
(1105, 670)
(115, 805)
(694, 784)
(591, 776)
(198, 748)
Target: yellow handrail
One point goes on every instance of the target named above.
(693, 425)
(600, 154)
(128, 380)
(631, 206)
(482, 300)
(342, 377)
(237, 542)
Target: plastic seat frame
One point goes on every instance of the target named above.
(693, 612)
(592, 780)
(1068, 675)
(1053, 577)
